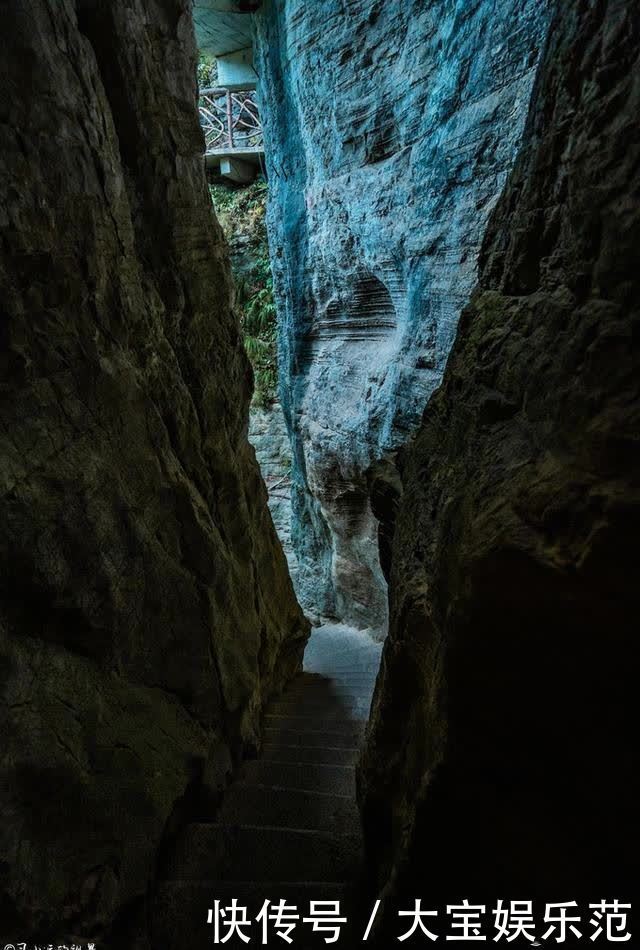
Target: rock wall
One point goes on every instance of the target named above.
(269, 436)
(146, 611)
(499, 755)
(391, 129)
(241, 212)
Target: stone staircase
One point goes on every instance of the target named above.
(288, 827)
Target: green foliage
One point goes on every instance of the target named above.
(241, 212)
(207, 71)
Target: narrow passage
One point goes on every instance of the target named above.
(289, 825)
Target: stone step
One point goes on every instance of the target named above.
(337, 779)
(310, 704)
(322, 685)
(313, 658)
(345, 739)
(279, 807)
(315, 755)
(250, 852)
(348, 666)
(303, 723)
(346, 700)
(342, 686)
(181, 913)
(332, 719)
(353, 677)
(322, 678)
(302, 680)
(353, 698)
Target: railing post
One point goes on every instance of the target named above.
(230, 117)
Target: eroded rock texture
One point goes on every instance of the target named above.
(391, 129)
(146, 611)
(270, 439)
(499, 756)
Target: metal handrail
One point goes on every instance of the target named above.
(230, 120)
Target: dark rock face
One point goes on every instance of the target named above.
(500, 749)
(147, 613)
(391, 128)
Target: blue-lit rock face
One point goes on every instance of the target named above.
(391, 128)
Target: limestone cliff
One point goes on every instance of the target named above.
(499, 756)
(146, 609)
(391, 129)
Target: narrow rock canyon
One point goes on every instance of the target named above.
(454, 218)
